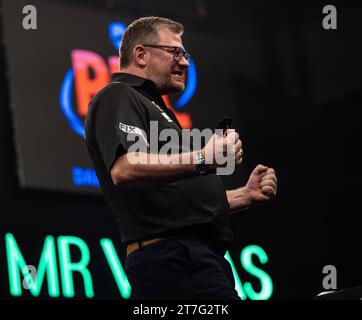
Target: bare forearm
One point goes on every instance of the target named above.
(141, 170)
(238, 199)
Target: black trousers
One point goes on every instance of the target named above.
(180, 269)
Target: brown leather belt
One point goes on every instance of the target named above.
(132, 247)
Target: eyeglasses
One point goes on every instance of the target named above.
(177, 52)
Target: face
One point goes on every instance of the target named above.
(162, 68)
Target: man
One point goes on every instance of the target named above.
(173, 216)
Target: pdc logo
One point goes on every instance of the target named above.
(90, 72)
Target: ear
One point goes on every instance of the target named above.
(140, 55)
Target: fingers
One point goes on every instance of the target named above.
(231, 135)
(269, 183)
(238, 146)
(238, 152)
(259, 169)
(269, 177)
(233, 146)
(224, 150)
(239, 157)
(231, 138)
(232, 141)
(270, 171)
(265, 172)
(268, 191)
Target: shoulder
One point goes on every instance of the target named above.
(115, 97)
(114, 90)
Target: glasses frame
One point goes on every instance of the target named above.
(172, 49)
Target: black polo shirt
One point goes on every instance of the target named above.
(195, 207)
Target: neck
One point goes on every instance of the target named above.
(136, 71)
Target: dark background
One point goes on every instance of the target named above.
(293, 90)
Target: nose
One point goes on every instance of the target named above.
(183, 62)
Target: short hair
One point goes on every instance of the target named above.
(144, 30)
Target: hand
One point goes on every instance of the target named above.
(262, 184)
(221, 149)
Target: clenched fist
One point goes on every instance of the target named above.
(262, 184)
(223, 151)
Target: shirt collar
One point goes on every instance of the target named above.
(146, 86)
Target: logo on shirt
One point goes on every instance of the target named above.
(133, 129)
(165, 115)
(80, 85)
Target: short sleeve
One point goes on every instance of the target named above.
(120, 123)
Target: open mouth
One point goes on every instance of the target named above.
(178, 75)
